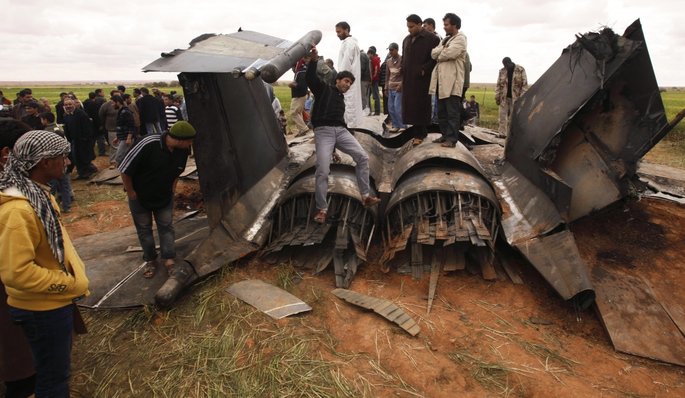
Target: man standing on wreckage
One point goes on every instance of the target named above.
(330, 132)
(149, 172)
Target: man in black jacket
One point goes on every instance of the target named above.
(330, 131)
(126, 129)
(79, 131)
(148, 106)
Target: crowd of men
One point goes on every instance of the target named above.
(98, 122)
(427, 71)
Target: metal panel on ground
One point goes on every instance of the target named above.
(271, 300)
(637, 323)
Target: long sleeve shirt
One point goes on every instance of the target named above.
(329, 105)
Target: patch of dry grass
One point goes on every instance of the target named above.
(210, 345)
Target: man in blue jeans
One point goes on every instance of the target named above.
(330, 131)
(42, 273)
(150, 171)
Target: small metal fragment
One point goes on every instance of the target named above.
(385, 308)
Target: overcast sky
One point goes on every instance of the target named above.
(112, 40)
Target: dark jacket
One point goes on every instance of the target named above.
(79, 131)
(59, 110)
(91, 107)
(125, 124)
(153, 169)
(33, 121)
(417, 66)
(383, 74)
(329, 106)
(365, 65)
(148, 107)
(300, 90)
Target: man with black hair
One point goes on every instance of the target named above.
(31, 118)
(108, 120)
(511, 84)
(375, 79)
(126, 129)
(348, 59)
(330, 131)
(79, 131)
(429, 25)
(42, 273)
(148, 106)
(25, 96)
(417, 65)
(393, 86)
(92, 108)
(447, 79)
(298, 94)
(365, 80)
(16, 362)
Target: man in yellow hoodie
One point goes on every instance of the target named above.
(42, 273)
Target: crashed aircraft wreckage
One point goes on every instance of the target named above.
(574, 143)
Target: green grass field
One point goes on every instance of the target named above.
(674, 102)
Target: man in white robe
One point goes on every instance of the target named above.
(348, 59)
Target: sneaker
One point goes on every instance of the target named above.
(320, 217)
(370, 201)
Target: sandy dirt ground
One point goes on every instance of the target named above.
(484, 338)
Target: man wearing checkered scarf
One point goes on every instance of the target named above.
(42, 273)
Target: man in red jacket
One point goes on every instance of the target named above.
(375, 78)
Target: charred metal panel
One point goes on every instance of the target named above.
(443, 179)
(600, 98)
(433, 155)
(347, 232)
(439, 213)
(526, 211)
(556, 257)
(636, 321)
(234, 120)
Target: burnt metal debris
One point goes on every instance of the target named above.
(573, 148)
(385, 308)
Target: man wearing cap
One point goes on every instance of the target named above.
(511, 84)
(375, 79)
(149, 172)
(42, 273)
